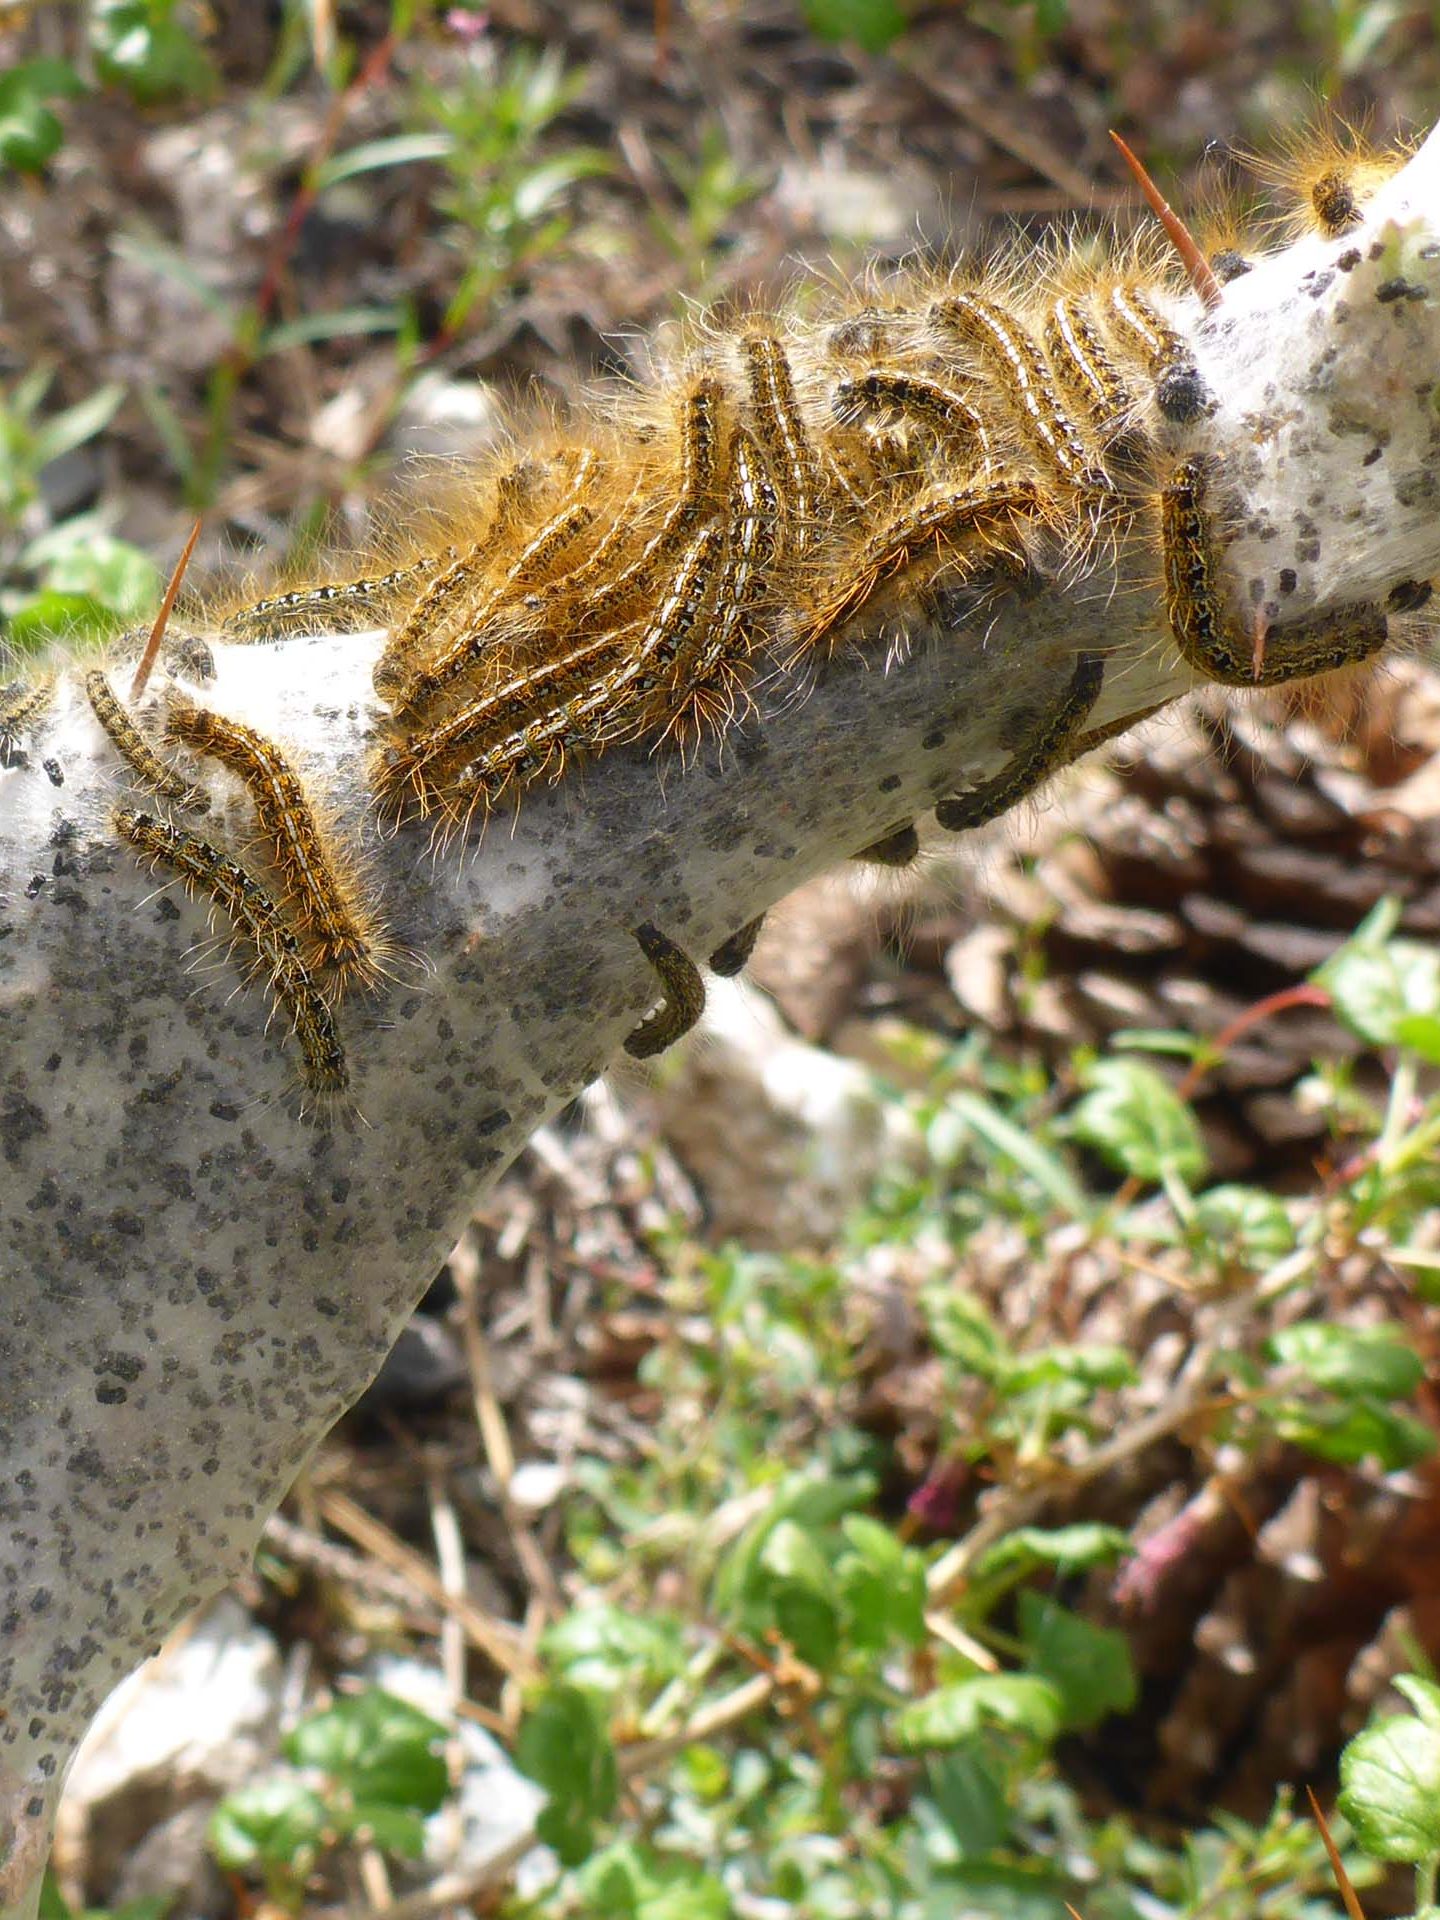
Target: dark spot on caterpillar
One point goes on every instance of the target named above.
(1228, 265)
(1335, 203)
(895, 849)
(1182, 395)
(1288, 580)
(1349, 260)
(731, 956)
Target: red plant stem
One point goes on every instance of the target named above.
(162, 618)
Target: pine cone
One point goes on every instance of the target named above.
(1219, 857)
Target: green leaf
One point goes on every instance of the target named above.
(568, 1831)
(1092, 1367)
(396, 1830)
(606, 1648)
(1354, 1362)
(275, 1823)
(1388, 993)
(381, 1748)
(138, 45)
(1090, 1667)
(1244, 1225)
(807, 1499)
(564, 1745)
(1423, 1695)
(1390, 1789)
(628, 1881)
(63, 432)
(1132, 1117)
(46, 616)
(1043, 1166)
(396, 150)
(1084, 1544)
(800, 1592)
(1355, 1431)
(80, 560)
(971, 1800)
(872, 24)
(341, 324)
(30, 134)
(963, 1329)
(882, 1585)
(53, 1904)
(952, 1714)
(44, 78)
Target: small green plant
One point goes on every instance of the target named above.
(503, 196)
(871, 24)
(713, 187)
(31, 133)
(54, 1906)
(146, 48)
(29, 443)
(1390, 1789)
(80, 580)
(363, 1770)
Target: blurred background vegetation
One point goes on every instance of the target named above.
(961, 1439)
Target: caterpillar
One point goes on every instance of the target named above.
(258, 925)
(337, 605)
(1021, 372)
(1325, 175)
(794, 484)
(319, 886)
(22, 703)
(684, 1000)
(132, 746)
(1204, 632)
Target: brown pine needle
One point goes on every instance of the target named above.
(1202, 276)
(1337, 1866)
(162, 618)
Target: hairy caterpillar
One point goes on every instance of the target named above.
(684, 1000)
(962, 645)
(134, 748)
(258, 925)
(795, 482)
(1203, 632)
(1326, 173)
(22, 703)
(1019, 368)
(320, 893)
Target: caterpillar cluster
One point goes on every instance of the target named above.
(628, 583)
(782, 484)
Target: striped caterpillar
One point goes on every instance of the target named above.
(259, 929)
(789, 487)
(891, 577)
